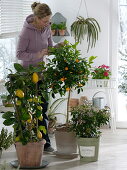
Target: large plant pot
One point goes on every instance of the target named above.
(66, 144)
(88, 149)
(30, 155)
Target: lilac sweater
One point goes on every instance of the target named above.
(31, 41)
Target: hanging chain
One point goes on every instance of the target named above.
(80, 8)
(86, 8)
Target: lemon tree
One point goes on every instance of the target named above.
(23, 92)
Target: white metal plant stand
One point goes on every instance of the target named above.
(109, 86)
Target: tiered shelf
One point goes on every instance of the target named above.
(101, 83)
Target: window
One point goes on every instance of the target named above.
(122, 63)
(12, 15)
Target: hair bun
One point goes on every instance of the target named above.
(34, 5)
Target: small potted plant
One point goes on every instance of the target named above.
(54, 28)
(85, 27)
(6, 140)
(62, 28)
(86, 122)
(101, 72)
(23, 91)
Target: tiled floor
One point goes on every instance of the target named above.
(112, 155)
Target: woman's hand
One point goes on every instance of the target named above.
(42, 53)
(61, 44)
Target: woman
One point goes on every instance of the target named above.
(34, 40)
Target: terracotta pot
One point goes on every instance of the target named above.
(30, 155)
(53, 32)
(62, 32)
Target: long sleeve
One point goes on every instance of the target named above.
(22, 53)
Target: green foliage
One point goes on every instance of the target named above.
(6, 139)
(101, 72)
(53, 106)
(62, 26)
(66, 70)
(87, 120)
(82, 28)
(24, 92)
(54, 26)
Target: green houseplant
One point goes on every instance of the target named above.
(82, 28)
(6, 140)
(67, 71)
(54, 28)
(52, 112)
(23, 91)
(62, 28)
(86, 123)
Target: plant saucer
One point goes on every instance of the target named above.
(15, 164)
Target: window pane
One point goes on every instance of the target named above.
(7, 56)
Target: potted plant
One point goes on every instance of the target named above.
(86, 122)
(82, 28)
(66, 71)
(62, 28)
(54, 28)
(102, 74)
(6, 140)
(23, 91)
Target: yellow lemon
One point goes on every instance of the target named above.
(29, 120)
(35, 99)
(17, 139)
(35, 77)
(39, 135)
(80, 85)
(19, 93)
(39, 108)
(30, 100)
(18, 102)
(40, 118)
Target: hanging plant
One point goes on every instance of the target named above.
(85, 27)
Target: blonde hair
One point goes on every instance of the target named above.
(41, 10)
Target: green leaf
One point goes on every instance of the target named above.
(18, 67)
(25, 116)
(42, 128)
(7, 115)
(78, 91)
(9, 122)
(91, 59)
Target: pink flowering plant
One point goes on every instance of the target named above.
(101, 72)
